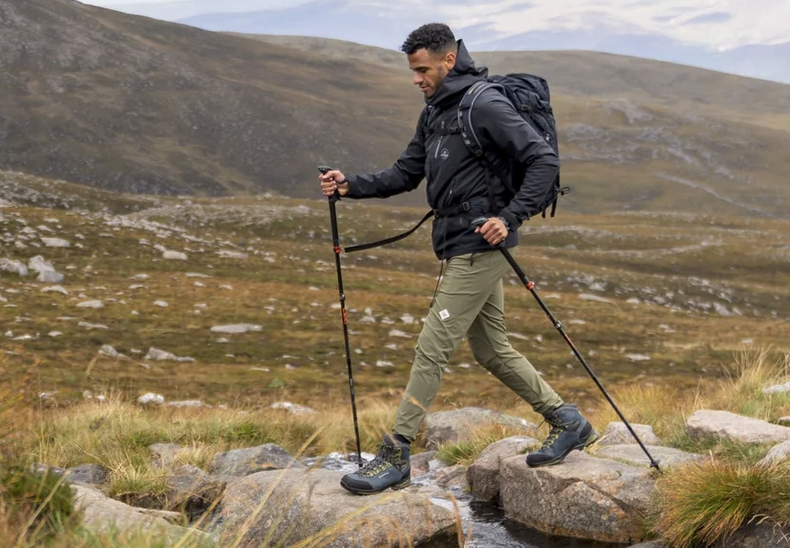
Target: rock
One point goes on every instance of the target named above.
(55, 242)
(783, 421)
(483, 475)
(55, 288)
(242, 462)
(108, 350)
(632, 454)
(461, 424)
(237, 328)
(778, 453)
(160, 355)
(231, 254)
(778, 389)
(164, 454)
(452, 477)
(103, 514)
(151, 399)
(724, 424)
(92, 474)
(585, 497)
(14, 267)
(292, 506)
(192, 491)
(90, 304)
(292, 408)
(651, 544)
(174, 255)
(616, 433)
(187, 403)
(421, 463)
(760, 535)
(50, 277)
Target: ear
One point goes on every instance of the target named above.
(449, 60)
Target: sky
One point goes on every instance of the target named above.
(718, 24)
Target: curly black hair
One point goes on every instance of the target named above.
(434, 37)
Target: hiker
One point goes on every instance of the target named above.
(469, 300)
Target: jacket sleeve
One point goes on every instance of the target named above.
(404, 176)
(498, 122)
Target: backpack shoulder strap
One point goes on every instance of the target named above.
(471, 139)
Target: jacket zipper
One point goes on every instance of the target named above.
(438, 146)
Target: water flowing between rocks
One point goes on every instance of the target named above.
(490, 528)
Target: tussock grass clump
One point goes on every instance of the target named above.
(466, 452)
(702, 503)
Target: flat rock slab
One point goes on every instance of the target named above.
(633, 455)
(616, 433)
(461, 424)
(282, 508)
(584, 497)
(724, 424)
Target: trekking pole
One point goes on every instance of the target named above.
(336, 245)
(530, 285)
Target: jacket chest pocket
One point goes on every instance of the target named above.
(445, 143)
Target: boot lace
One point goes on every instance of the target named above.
(557, 428)
(385, 457)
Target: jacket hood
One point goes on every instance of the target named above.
(460, 78)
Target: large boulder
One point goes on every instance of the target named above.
(461, 424)
(585, 497)
(242, 462)
(633, 455)
(483, 475)
(288, 506)
(724, 424)
(616, 433)
(101, 514)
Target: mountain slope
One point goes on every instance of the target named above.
(127, 103)
(133, 104)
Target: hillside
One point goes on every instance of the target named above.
(131, 104)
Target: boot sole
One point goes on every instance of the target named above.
(397, 487)
(592, 438)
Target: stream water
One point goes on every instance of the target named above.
(487, 522)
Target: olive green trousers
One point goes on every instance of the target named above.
(469, 303)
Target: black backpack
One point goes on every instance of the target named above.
(531, 98)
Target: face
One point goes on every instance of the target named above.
(430, 69)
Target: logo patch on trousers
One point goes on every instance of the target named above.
(444, 314)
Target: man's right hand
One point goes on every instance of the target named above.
(332, 181)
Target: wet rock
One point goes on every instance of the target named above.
(724, 424)
(483, 475)
(292, 505)
(585, 497)
(452, 477)
(461, 424)
(421, 463)
(242, 462)
(616, 433)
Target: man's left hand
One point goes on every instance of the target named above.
(494, 231)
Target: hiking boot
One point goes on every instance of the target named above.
(390, 469)
(569, 431)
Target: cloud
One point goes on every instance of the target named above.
(708, 18)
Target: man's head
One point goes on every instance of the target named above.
(431, 50)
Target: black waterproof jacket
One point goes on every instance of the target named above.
(455, 176)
